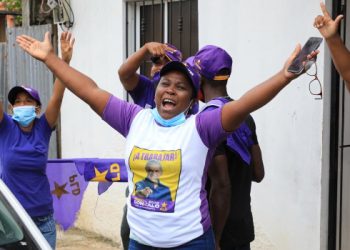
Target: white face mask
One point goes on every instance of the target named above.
(24, 115)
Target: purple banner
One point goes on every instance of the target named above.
(69, 178)
(102, 170)
(67, 189)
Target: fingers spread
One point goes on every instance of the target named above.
(324, 10)
(72, 42)
(338, 19)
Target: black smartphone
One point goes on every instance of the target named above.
(312, 44)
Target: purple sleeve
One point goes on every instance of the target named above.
(5, 122)
(119, 114)
(210, 128)
(143, 93)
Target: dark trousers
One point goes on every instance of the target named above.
(243, 247)
(125, 229)
(204, 242)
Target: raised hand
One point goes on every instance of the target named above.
(35, 48)
(67, 43)
(311, 56)
(157, 49)
(325, 24)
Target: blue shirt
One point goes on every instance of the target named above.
(23, 157)
(159, 191)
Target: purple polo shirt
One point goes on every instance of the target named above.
(23, 157)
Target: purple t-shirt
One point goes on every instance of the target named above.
(143, 93)
(185, 152)
(120, 114)
(23, 157)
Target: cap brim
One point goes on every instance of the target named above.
(178, 66)
(13, 94)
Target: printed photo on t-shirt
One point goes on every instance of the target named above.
(156, 176)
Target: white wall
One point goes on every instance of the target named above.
(259, 35)
(98, 52)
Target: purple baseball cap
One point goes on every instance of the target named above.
(210, 59)
(30, 91)
(174, 54)
(191, 74)
(190, 61)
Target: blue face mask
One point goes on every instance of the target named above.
(24, 115)
(177, 120)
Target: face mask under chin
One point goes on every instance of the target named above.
(174, 121)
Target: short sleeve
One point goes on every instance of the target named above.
(210, 128)
(119, 114)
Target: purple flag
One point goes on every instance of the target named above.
(69, 178)
(105, 170)
(67, 186)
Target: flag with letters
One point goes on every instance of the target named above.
(69, 179)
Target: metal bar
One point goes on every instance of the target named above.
(162, 21)
(333, 158)
(170, 30)
(180, 25)
(190, 23)
(153, 22)
(127, 38)
(343, 10)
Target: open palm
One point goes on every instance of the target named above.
(35, 48)
(67, 43)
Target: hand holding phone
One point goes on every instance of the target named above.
(312, 44)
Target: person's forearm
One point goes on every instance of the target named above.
(340, 55)
(257, 163)
(81, 85)
(129, 68)
(234, 113)
(219, 210)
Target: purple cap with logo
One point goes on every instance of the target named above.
(210, 60)
(30, 91)
(173, 54)
(191, 74)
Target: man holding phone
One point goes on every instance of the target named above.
(340, 54)
(237, 162)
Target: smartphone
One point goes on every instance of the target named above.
(312, 44)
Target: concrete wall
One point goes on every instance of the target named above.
(260, 35)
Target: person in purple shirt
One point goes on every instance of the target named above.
(175, 93)
(24, 143)
(237, 161)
